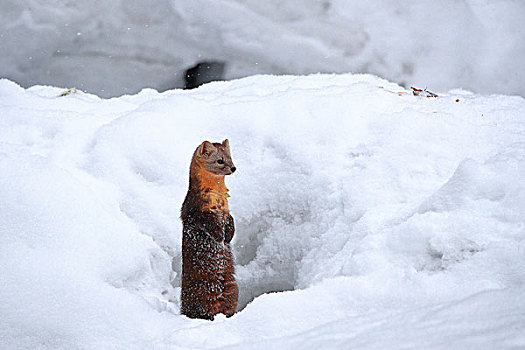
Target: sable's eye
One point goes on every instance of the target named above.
(220, 161)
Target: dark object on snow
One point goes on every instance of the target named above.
(202, 73)
(422, 92)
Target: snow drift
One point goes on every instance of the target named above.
(112, 48)
(381, 219)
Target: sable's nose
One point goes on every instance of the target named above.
(233, 169)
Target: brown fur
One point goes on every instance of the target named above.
(208, 283)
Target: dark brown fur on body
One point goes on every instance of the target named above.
(208, 283)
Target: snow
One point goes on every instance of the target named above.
(365, 219)
(118, 47)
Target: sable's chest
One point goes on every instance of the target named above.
(217, 203)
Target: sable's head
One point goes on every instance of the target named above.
(215, 157)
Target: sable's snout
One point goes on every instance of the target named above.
(233, 169)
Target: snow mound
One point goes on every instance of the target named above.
(366, 217)
(119, 47)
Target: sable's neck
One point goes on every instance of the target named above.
(210, 186)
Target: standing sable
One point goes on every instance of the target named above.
(208, 282)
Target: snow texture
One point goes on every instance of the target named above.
(118, 47)
(366, 217)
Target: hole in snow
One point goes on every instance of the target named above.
(269, 250)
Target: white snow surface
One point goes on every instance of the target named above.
(114, 47)
(365, 219)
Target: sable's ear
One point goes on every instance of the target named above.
(226, 144)
(206, 148)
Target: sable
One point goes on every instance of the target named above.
(208, 281)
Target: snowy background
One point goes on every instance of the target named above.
(379, 220)
(366, 217)
(111, 48)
